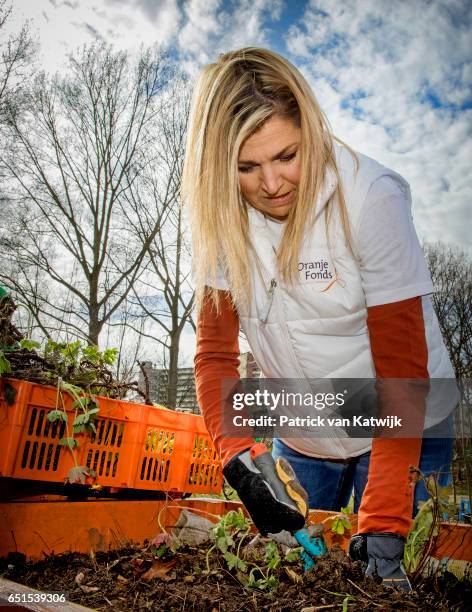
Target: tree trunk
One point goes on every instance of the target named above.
(173, 373)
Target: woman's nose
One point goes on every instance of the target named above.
(271, 180)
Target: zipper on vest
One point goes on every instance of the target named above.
(270, 299)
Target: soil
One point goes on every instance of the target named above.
(121, 580)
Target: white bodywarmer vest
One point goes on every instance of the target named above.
(317, 327)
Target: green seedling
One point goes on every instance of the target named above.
(161, 544)
(341, 523)
(158, 551)
(266, 579)
(80, 364)
(228, 536)
(223, 534)
(426, 526)
(82, 423)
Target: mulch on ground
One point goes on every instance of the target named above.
(134, 579)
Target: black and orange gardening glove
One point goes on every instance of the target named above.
(269, 490)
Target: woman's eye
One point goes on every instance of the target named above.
(245, 169)
(287, 158)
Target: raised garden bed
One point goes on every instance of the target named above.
(119, 580)
(141, 577)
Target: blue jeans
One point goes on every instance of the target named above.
(329, 484)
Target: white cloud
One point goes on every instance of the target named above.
(379, 69)
(61, 26)
(197, 29)
(213, 27)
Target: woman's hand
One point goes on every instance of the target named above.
(271, 493)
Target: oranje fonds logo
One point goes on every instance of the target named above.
(318, 269)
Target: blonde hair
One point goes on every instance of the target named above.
(233, 98)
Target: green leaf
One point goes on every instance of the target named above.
(92, 354)
(419, 535)
(293, 554)
(346, 602)
(5, 367)
(272, 583)
(222, 543)
(254, 583)
(71, 351)
(85, 402)
(235, 519)
(110, 355)
(272, 557)
(341, 523)
(234, 561)
(81, 419)
(73, 390)
(159, 552)
(56, 415)
(53, 347)
(270, 550)
(29, 345)
(69, 442)
(338, 526)
(273, 563)
(83, 422)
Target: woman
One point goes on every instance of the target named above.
(272, 194)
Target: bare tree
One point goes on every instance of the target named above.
(16, 67)
(128, 342)
(16, 53)
(163, 295)
(451, 271)
(74, 163)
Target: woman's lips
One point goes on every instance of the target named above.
(283, 199)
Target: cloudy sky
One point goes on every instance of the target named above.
(393, 77)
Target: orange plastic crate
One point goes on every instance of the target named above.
(136, 446)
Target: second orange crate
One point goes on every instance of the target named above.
(135, 446)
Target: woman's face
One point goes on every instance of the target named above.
(269, 166)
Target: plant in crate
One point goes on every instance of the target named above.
(86, 412)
